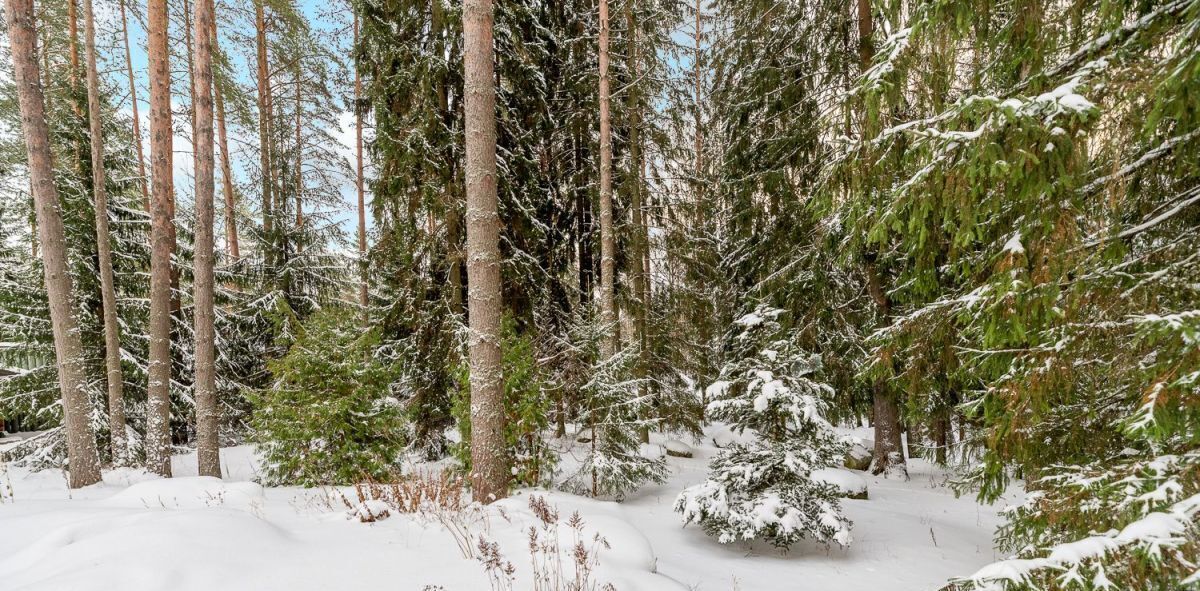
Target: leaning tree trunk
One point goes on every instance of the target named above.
(489, 458)
(231, 235)
(608, 243)
(112, 334)
(264, 137)
(639, 243)
(84, 460)
(137, 127)
(158, 390)
(207, 415)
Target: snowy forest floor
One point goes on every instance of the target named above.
(135, 532)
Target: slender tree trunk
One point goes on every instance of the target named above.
(698, 217)
(889, 452)
(639, 246)
(583, 215)
(231, 234)
(137, 126)
(608, 243)
(158, 391)
(84, 460)
(299, 151)
(941, 432)
(207, 413)
(489, 456)
(454, 252)
(264, 117)
(191, 68)
(73, 77)
(112, 335)
(360, 181)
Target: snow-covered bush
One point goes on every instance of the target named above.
(328, 417)
(765, 489)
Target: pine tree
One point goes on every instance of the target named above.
(158, 416)
(1032, 213)
(81, 443)
(137, 130)
(207, 412)
(112, 333)
(614, 411)
(489, 468)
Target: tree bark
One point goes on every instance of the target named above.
(207, 412)
(231, 234)
(889, 452)
(299, 150)
(608, 245)
(264, 117)
(73, 76)
(489, 456)
(84, 460)
(158, 391)
(639, 244)
(941, 431)
(360, 181)
(112, 334)
(137, 126)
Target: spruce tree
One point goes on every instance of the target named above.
(764, 489)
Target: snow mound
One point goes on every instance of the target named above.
(677, 448)
(859, 455)
(848, 483)
(652, 451)
(197, 492)
(183, 547)
(625, 557)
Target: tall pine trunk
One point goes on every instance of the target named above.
(137, 126)
(112, 334)
(264, 121)
(489, 456)
(84, 460)
(231, 233)
(608, 243)
(207, 413)
(158, 390)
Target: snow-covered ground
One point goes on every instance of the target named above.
(136, 532)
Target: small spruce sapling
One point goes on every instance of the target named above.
(615, 412)
(765, 489)
(328, 417)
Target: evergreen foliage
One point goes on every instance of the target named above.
(329, 416)
(614, 412)
(764, 489)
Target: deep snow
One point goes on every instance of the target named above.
(137, 532)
